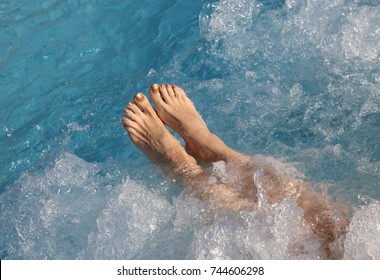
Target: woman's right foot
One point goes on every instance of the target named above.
(178, 112)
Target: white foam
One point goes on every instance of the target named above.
(365, 166)
(55, 209)
(361, 34)
(238, 29)
(363, 237)
(277, 232)
(228, 17)
(132, 224)
(68, 211)
(224, 22)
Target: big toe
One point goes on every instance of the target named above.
(155, 88)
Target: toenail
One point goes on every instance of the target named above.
(139, 97)
(155, 87)
(130, 104)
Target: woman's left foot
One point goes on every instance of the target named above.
(150, 135)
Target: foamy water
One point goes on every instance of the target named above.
(296, 80)
(70, 211)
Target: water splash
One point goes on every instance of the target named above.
(295, 79)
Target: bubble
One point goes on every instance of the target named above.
(361, 34)
(363, 237)
(294, 79)
(7, 131)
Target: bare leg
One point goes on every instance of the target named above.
(178, 112)
(150, 135)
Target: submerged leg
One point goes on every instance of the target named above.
(177, 111)
(326, 220)
(149, 134)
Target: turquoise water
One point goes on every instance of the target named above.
(298, 80)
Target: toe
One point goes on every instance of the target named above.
(156, 97)
(169, 88)
(155, 88)
(164, 93)
(133, 129)
(135, 136)
(128, 123)
(129, 113)
(178, 91)
(143, 103)
(132, 108)
(123, 121)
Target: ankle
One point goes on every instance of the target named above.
(220, 150)
(183, 163)
(225, 153)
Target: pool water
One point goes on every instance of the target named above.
(297, 80)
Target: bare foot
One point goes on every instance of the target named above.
(150, 135)
(178, 112)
